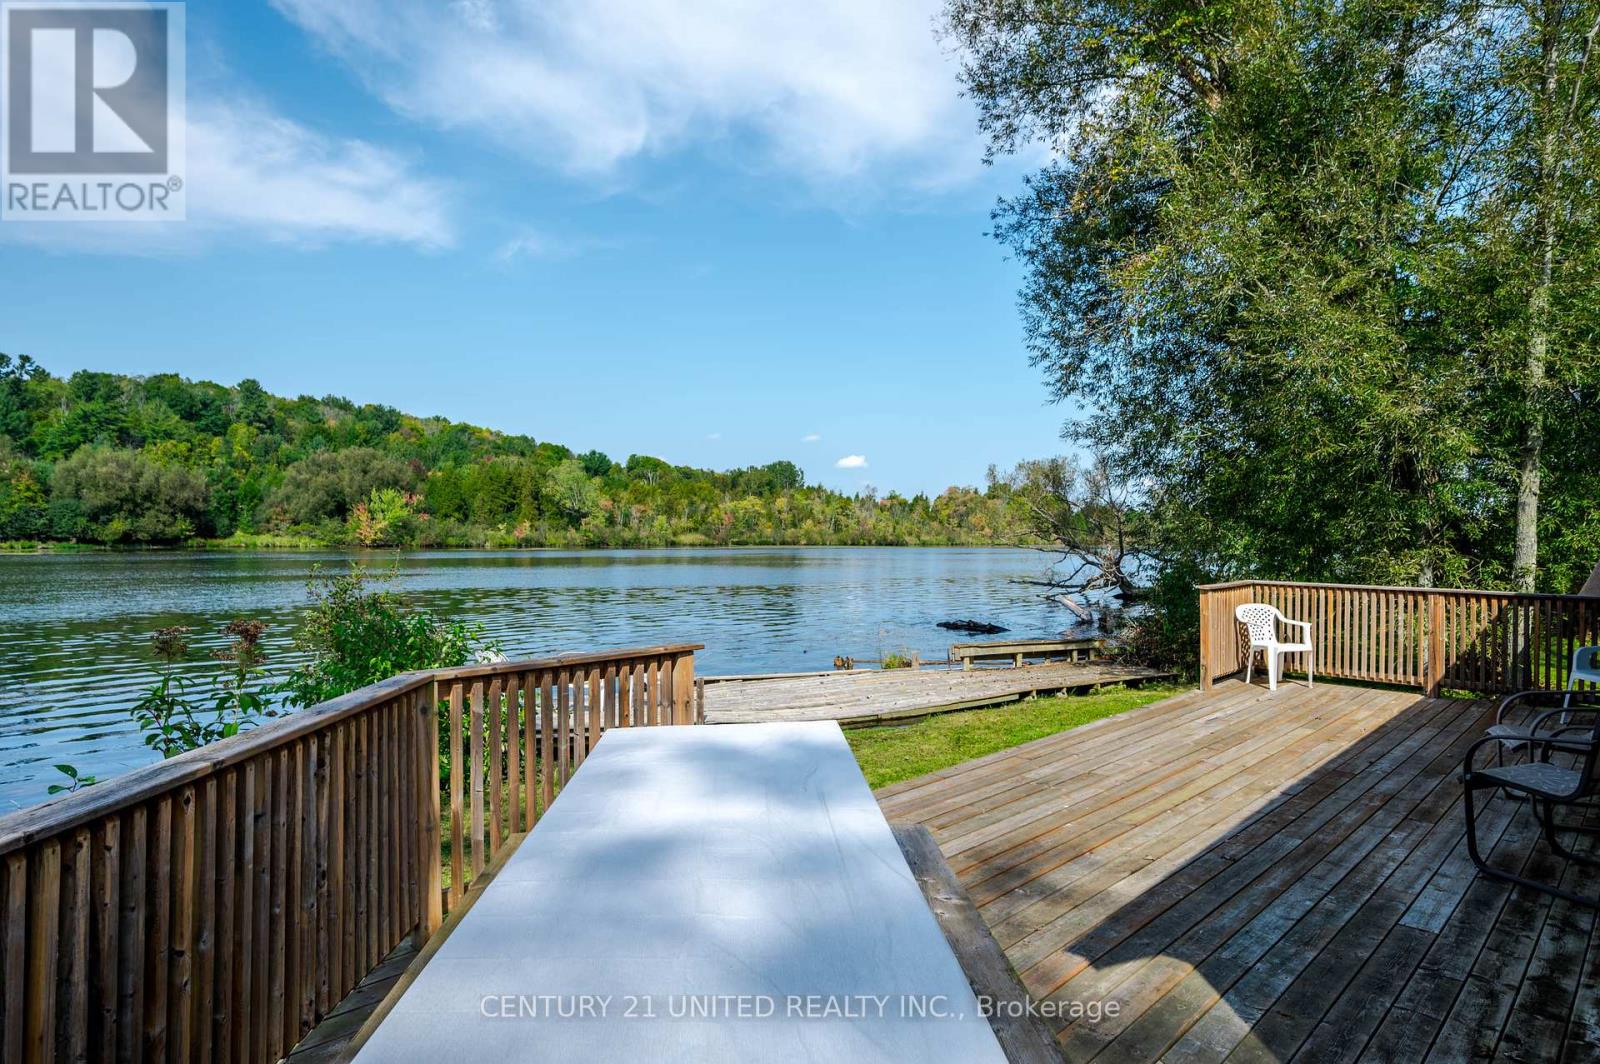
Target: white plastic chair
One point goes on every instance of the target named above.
(1585, 667)
(1262, 621)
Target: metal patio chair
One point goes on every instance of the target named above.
(1542, 721)
(1514, 720)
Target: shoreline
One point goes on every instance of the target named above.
(289, 545)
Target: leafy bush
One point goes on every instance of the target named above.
(124, 496)
(354, 635)
(174, 720)
(387, 519)
(1165, 633)
(330, 484)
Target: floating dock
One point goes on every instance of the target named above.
(858, 698)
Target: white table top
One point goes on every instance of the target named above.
(698, 894)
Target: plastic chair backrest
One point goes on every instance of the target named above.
(1260, 620)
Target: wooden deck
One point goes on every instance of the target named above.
(1255, 877)
(872, 697)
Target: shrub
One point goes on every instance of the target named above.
(354, 635)
(173, 720)
(120, 496)
(329, 484)
(1165, 633)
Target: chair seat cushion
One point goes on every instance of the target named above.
(1541, 777)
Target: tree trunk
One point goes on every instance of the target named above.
(1525, 559)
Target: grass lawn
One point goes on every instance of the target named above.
(891, 754)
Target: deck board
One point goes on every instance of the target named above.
(878, 696)
(1267, 877)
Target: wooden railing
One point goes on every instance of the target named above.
(215, 906)
(1489, 642)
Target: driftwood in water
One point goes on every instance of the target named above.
(1079, 611)
(974, 627)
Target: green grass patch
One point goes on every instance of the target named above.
(33, 546)
(259, 541)
(900, 752)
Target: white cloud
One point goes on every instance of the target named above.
(545, 246)
(714, 436)
(253, 172)
(829, 89)
(811, 437)
(252, 169)
(851, 461)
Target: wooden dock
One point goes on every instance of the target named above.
(1266, 878)
(863, 698)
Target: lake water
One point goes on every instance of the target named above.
(74, 629)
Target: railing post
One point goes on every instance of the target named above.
(1205, 639)
(683, 711)
(432, 851)
(1433, 674)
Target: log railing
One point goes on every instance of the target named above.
(215, 906)
(1488, 642)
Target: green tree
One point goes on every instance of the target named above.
(125, 497)
(1274, 255)
(332, 469)
(571, 491)
(1534, 242)
(595, 463)
(329, 484)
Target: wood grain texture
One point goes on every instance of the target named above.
(1025, 1038)
(1255, 877)
(1488, 642)
(857, 698)
(222, 904)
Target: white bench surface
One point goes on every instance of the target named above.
(684, 876)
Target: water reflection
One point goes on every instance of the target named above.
(74, 628)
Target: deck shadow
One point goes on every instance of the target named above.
(1266, 878)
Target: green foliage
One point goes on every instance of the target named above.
(897, 659)
(1323, 275)
(331, 484)
(353, 636)
(113, 496)
(160, 459)
(75, 781)
(1164, 631)
(387, 519)
(173, 719)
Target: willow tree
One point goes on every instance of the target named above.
(1535, 224)
(1257, 258)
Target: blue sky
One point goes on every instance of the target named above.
(721, 233)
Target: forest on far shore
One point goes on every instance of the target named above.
(111, 459)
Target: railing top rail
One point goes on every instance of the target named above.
(1230, 585)
(562, 661)
(70, 811)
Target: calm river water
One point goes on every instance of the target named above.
(74, 629)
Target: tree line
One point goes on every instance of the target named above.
(1324, 274)
(112, 459)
